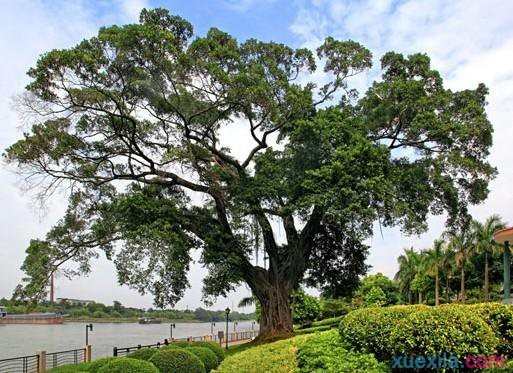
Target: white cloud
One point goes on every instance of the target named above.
(468, 41)
(132, 8)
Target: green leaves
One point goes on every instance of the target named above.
(144, 105)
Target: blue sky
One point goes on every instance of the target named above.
(469, 41)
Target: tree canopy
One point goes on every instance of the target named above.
(134, 122)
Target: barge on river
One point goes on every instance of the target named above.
(48, 318)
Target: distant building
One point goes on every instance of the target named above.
(75, 302)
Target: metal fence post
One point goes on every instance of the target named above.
(87, 356)
(41, 362)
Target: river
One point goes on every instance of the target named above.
(20, 340)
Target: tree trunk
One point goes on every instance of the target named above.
(486, 281)
(437, 289)
(409, 297)
(420, 297)
(276, 317)
(447, 296)
(462, 284)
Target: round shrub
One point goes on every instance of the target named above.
(177, 360)
(142, 354)
(214, 347)
(414, 330)
(500, 317)
(207, 357)
(95, 365)
(369, 329)
(127, 365)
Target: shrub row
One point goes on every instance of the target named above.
(178, 357)
(323, 352)
(422, 330)
(312, 330)
(319, 352)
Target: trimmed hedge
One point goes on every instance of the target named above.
(500, 317)
(323, 352)
(213, 346)
(177, 360)
(276, 357)
(207, 357)
(417, 330)
(313, 330)
(319, 352)
(95, 365)
(216, 349)
(142, 354)
(128, 365)
(330, 321)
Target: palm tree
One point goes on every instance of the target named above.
(434, 259)
(408, 268)
(482, 235)
(462, 245)
(447, 266)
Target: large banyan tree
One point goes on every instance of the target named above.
(133, 123)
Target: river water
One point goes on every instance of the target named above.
(20, 340)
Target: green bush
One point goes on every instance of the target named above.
(334, 307)
(500, 317)
(142, 354)
(319, 352)
(417, 330)
(207, 357)
(71, 368)
(216, 349)
(95, 365)
(330, 321)
(177, 360)
(323, 352)
(127, 365)
(305, 308)
(276, 357)
(213, 346)
(312, 330)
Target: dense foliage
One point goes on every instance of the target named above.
(305, 308)
(463, 265)
(134, 120)
(418, 330)
(206, 355)
(177, 360)
(95, 365)
(377, 290)
(127, 365)
(142, 354)
(322, 352)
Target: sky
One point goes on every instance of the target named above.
(468, 41)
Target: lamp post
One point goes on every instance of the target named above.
(227, 314)
(503, 238)
(89, 327)
(212, 324)
(171, 327)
